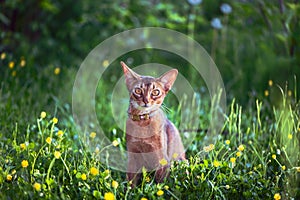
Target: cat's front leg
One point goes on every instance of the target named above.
(161, 173)
(133, 170)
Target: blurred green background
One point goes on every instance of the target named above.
(251, 41)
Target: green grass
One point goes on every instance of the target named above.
(256, 155)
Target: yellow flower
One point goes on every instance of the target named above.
(22, 63)
(83, 177)
(94, 171)
(37, 186)
(290, 93)
(57, 154)
(56, 70)
(55, 120)
(147, 179)
(166, 187)
(277, 196)
(290, 136)
(43, 114)
(24, 163)
(14, 73)
(241, 148)
(109, 196)
(238, 154)
(163, 162)
(227, 187)
(227, 142)
(175, 155)
(115, 143)
(159, 192)
(3, 56)
(11, 64)
(60, 133)
(209, 148)
(13, 172)
(270, 83)
(274, 156)
(114, 184)
(105, 63)
(143, 198)
(93, 135)
(23, 146)
(266, 93)
(283, 167)
(49, 140)
(216, 163)
(233, 159)
(298, 169)
(9, 177)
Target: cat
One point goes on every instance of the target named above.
(152, 140)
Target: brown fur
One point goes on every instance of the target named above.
(149, 141)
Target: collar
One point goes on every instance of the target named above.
(142, 117)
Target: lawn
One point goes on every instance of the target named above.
(45, 154)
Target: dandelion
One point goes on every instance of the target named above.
(93, 135)
(298, 169)
(277, 196)
(232, 159)
(227, 187)
(195, 2)
(9, 177)
(216, 23)
(83, 177)
(23, 62)
(115, 143)
(290, 136)
(143, 198)
(115, 184)
(175, 155)
(241, 148)
(60, 133)
(105, 63)
(160, 193)
(3, 56)
(57, 154)
(290, 93)
(209, 148)
(55, 120)
(49, 140)
(37, 186)
(163, 162)
(227, 142)
(14, 73)
(13, 172)
(274, 156)
(24, 163)
(270, 83)
(266, 93)
(23, 146)
(94, 171)
(216, 163)
(283, 167)
(238, 154)
(226, 8)
(43, 114)
(56, 70)
(166, 187)
(109, 196)
(11, 64)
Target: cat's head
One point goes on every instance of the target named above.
(147, 93)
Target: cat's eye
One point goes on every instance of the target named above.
(155, 92)
(138, 91)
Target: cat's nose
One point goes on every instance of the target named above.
(146, 101)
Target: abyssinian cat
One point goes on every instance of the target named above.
(152, 140)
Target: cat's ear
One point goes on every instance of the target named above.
(130, 76)
(168, 79)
